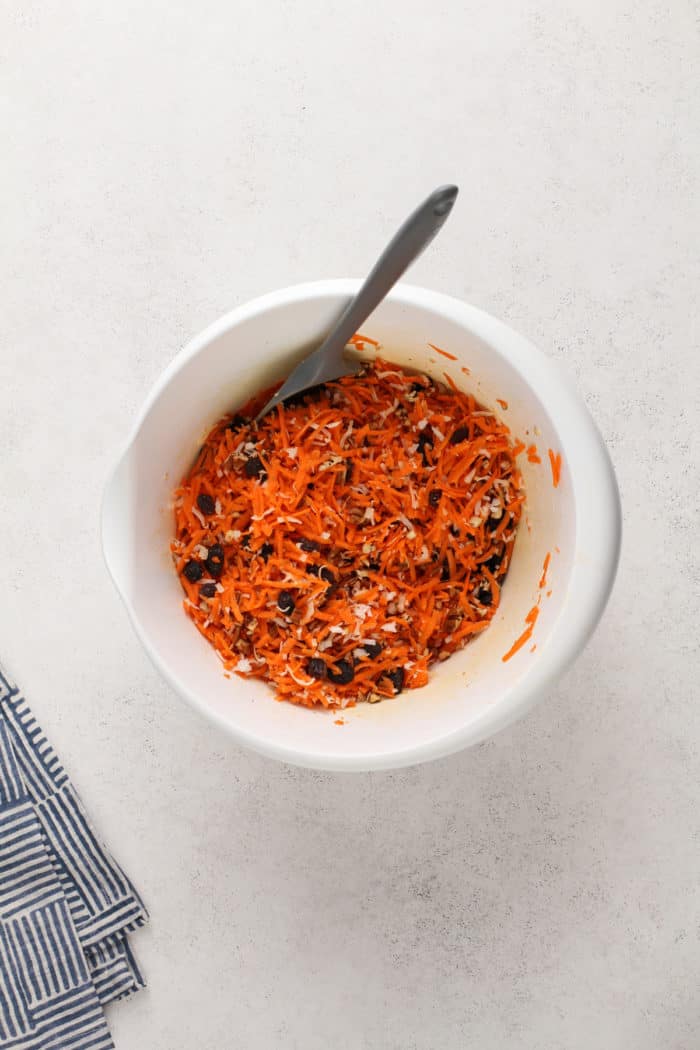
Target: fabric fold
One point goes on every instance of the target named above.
(66, 906)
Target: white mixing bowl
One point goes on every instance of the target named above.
(475, 692)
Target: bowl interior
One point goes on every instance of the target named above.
(469, 694)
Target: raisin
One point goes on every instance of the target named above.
(237, 422)
(397, 677)
(206, 503)
(207, 590)
(329, 577)
(459, 435)
(445, 571)
(265, 551)
(316, 667)
(308, 545)
(483, 594)
(494, 564)
(344, 674)
(435, 497)
(193, 571)
(215, 560)
(313, 570)
(285, 603)
(493, 523)
(372, 648)
(424, 441)
(254, 467)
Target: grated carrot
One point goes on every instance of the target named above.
(525, 637)
(359, 341)
(444, 353)
(359, 533)
(543, 579)
(555, 462)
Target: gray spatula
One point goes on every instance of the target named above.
(329, 361)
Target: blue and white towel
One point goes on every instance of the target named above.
(66, 907)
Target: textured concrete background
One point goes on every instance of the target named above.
(163, 162)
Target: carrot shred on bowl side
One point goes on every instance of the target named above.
(351, 538)
(360, 341)
(525, 637)
(445, 353)
(555, 463)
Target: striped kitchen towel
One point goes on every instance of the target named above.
(66, 907)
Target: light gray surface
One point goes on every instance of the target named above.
(165, 162)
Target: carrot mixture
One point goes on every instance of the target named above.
(350, 539)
